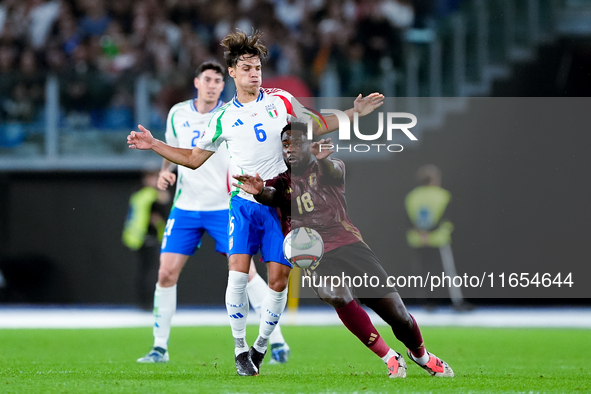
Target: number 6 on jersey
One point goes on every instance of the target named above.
(260, 133)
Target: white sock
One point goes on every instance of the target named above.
(391, 353)
(164, 310)
(240, 346)
(260, 344)
(237, 307)
(422, 360)
(257, 290)
(271, 310)
(276, 336)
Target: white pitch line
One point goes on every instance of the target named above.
(113, 318)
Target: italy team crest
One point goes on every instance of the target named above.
(271, 110)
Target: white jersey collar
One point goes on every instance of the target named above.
(238, 104)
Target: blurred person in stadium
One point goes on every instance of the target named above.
(40, 17)
(431, 232)
(144, 229)
(85, 91)
(55, 59)
(250, 125)
(318, 181)
(8, 68)
(380, 39)
(200, 205)
(33, 77)
(19, 106)
(95, 19)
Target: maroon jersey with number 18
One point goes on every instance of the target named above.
(315, 201)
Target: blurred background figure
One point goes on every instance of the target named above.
(431, 232)
(143, 232)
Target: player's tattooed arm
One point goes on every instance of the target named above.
(143, 140)
(328, 168)
(254, 185)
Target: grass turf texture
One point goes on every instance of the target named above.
(324, 360)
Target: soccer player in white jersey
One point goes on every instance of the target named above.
(251, 127)
(201, 204)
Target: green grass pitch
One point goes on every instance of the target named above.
(324, 360)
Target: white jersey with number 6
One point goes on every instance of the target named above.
(206, 188)
(252, 132)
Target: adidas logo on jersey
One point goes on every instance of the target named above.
(238, 123)
(186, 124)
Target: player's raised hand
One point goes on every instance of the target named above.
(165, 179)
(321, 149)
(365, 105)
(250, 184)
(142, 139)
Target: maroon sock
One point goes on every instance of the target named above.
(417, 347)
(358, 322)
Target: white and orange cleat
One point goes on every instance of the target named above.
(396, 367)
(435, 366)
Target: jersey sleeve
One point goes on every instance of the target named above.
(334, 181)
(213, 135)
(276, 183)
(170, 134)
(279, 184)
(295, 110)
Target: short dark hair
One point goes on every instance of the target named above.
(211, 65)
(239, 43)
(300, 126)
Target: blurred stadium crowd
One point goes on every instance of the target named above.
(97, 48)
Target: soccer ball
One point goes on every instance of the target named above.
(303, 247)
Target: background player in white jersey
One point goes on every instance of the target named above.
(251, 126)
(200, 204)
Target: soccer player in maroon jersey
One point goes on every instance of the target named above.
(311, 193)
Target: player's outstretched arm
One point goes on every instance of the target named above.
(361, 105)
(143, 140)
(254, 185)
(322, 150)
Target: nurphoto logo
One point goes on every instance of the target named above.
(393, 123)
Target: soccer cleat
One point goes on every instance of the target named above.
(396, 367)
(245, 366)
(435, 366)
(256, 357)
(156, 355)
(279, 353)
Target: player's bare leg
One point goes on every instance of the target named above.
(257, 289)
(358, 322)
(393, 311)
(271, 309)
(171, 265)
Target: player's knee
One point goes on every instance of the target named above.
(335, 302)
(167, 277)
(400, 316)
(278, 284)
(278, 276)
(403, 319)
